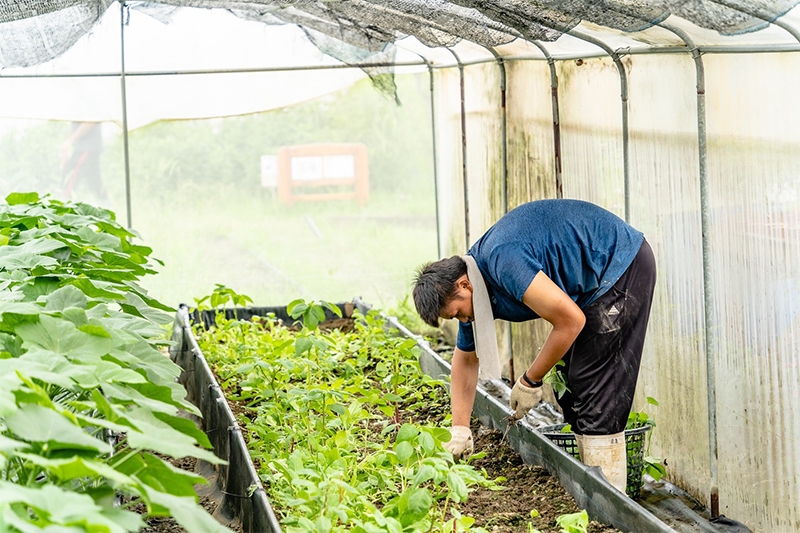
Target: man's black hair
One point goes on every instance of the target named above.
(435, 287)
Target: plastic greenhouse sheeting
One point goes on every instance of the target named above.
(84, 82)
(367, 31)
(35, 31)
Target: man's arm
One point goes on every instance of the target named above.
(463, 383)
(547, 300)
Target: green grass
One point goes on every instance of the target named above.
(272, 252)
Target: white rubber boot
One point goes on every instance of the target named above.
(609, 453)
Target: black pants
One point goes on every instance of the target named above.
(602, 366)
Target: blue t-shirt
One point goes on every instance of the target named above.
(581, 247)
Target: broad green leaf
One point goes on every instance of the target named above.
(323, 524)
(158, 474)
(458, 488)
(407, 432)
(413, 505)
(137, 306)
(75, 315)
(334, 308)
(130, 324)
(79, 467)
(103, 373)
(188, 514)
(62, 337)
(39, 424)
(20, 308)
(296, 308)
(404, 451)
(99, 239)
(124, 393)
(426, 442)
(152, 302)
(161, 437)
(98, 289)
(10, 445)
(132, 262)
(302, 345)
(73, 511)
(30, 365)
(67, 296)
(11, 344)
(29, 254)
(425, 473)
(94, 329)
(185, 426)
(16, 198)
(8, 403)
(159, 369)
(40, 286)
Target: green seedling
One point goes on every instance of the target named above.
(573, 523)
(311, 312)
(653, 466)
(556, 378)
(329, 426)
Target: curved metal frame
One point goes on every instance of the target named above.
(556, 117)
(503, 128)
(463, 146)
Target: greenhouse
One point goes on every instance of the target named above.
(162, 161)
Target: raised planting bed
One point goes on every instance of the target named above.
(345, 431)
(520, 456)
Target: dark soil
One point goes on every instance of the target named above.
(526, 489)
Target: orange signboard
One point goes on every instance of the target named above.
(324, 171)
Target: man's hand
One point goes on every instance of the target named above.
(460, 442)
(524, 398)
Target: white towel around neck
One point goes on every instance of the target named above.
(483, 325)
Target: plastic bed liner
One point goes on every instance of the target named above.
(243, 495)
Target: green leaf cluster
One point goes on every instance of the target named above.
(653, 466)
(330, 424)
(89, 406)
(574, 522)
(312, 313)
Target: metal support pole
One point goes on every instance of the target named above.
(623, 81)
(556, 118)
(463, 148)
(435, 172)
(503, 129)
(708, 289)
(122, 7)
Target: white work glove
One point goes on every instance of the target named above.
(524, 398)
(460, 443)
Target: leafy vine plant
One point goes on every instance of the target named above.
(80, 361)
